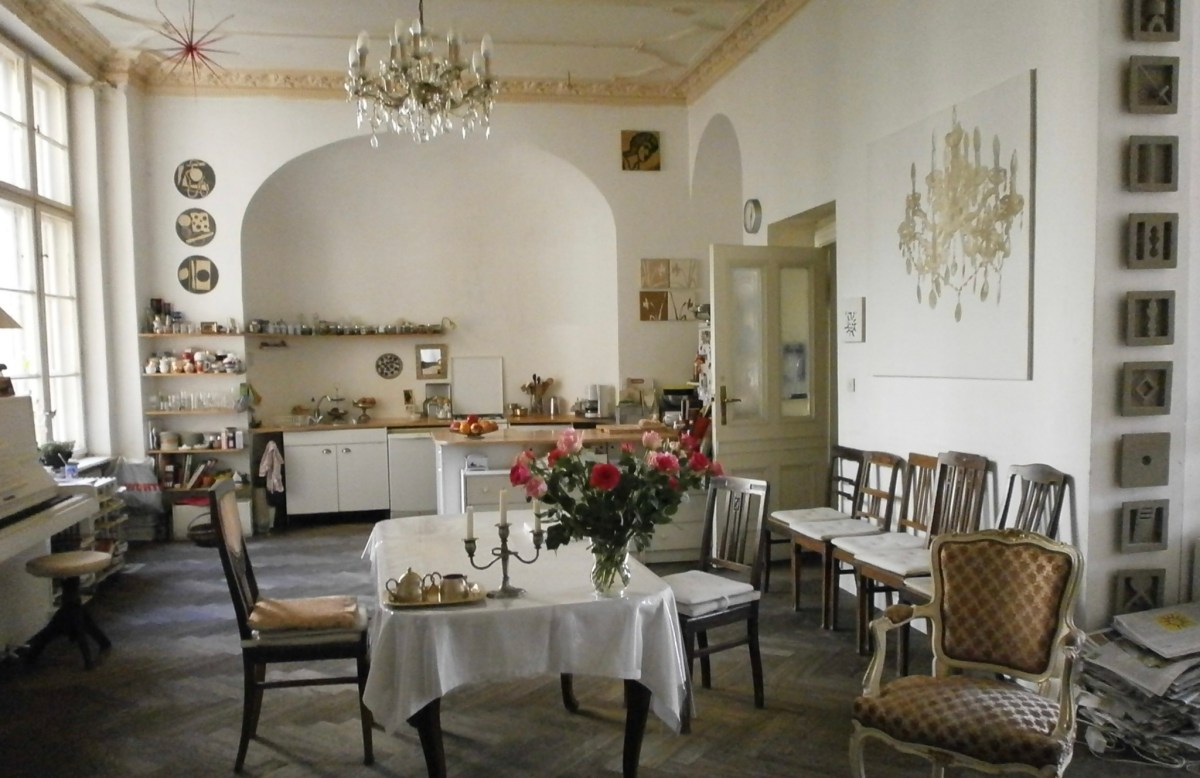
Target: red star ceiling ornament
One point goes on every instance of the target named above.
(189, 50)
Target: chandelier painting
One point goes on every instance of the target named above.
(956, 235)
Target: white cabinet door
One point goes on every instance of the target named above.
(312, 478)
(412, 474)
(362, 471)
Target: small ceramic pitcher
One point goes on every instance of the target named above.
(432, 591)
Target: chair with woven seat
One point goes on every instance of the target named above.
(734, 540)
(71, 619)
(1000, 697)
(285, 630)
(841, 496)
(872, 515)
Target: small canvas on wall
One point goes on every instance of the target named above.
(640, 150)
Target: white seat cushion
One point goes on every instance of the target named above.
(698, 593)
(786, 520)
(884, 541)
(308, 637)
(905, 562)
(921, 585)
(828, 530)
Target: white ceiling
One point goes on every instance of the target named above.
(652, 45)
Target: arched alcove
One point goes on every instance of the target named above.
(514, 244)
(717, 183)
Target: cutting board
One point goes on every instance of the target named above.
(477, 385)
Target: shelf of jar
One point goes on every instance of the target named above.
(206, 374)
(193, 334)
(169, 451)
(342, 335)
(198, 412)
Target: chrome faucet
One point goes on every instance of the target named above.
(328, 417)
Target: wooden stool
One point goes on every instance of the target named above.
(70, 619)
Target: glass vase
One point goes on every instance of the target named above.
(610, 568)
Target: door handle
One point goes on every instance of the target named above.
(725, 400)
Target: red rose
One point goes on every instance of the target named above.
(519, 474)
(604, 476)
(553, 456)
(697, 461)
(627, 447)
(716, 469)
(666, 462)
(673, 482)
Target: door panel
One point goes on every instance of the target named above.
(772, 359)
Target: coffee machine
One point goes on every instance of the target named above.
(599, 401)
(676, 404)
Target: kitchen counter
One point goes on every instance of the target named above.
(517, 435)
(409, 423)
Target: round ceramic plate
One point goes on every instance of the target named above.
(389, 365)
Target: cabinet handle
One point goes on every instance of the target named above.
(326, 451)
(345, 451)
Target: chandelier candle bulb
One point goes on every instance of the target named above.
(503, 509)
(470, 522)
(537, 518)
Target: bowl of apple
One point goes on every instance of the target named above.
(473, 426)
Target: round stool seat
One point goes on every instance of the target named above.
(68, 564)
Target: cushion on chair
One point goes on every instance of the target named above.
(800, 515)
(333, 612)
(993, 721)
(828, 530)
(311, 637)
(884, 541)
(698, 593)
(905, 561)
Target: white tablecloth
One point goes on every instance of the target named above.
(558, 626)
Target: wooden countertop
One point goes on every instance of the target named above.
(445, 437)
(409, 423)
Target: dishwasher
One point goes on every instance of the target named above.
(412, 474)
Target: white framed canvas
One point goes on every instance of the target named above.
(951, 210)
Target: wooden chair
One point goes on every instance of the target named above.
(872, 515)
(293, 630)
(1001, 696)
(734, 539)
(957, 507)
(841, 497)
(910, 530)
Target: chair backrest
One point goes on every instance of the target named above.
(1002, 602)
(734, 536)
(239, 573)
(878, 488)
(845, 476)
(1040, 502)
(958, 502)
(916, 509)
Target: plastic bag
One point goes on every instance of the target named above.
(141, 491)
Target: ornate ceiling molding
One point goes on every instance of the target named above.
(738, 45)
(66, 30)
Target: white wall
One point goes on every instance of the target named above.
(845, 74)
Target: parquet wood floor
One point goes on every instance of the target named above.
(166, 700)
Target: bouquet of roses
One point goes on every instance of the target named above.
(611, 503)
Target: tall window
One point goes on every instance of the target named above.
(37, 246)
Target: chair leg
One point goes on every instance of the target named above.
(251, 702)
(705, 664)
(828, 616)
(689, 650)
(866, 597)
(857, 767)
(755, 660)
(835, 589)
(97, 634)
(795, 577)
(363, 664)
(566, 683)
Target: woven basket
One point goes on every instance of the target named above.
(202, 534)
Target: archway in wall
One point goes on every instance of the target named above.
(514, 245)
(717, 185)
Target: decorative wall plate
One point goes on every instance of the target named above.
(194, 178)
(198, 274)
(389, 365)
(196, 227)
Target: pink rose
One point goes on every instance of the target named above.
(698, 462)
(519, 474)
(535, 488)
(604, 476)
(627, 447)
(525, 457)
(716, 469)
(688, 442)
(570, 440)
(651, 440)
(666, 462)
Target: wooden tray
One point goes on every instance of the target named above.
(472, 598)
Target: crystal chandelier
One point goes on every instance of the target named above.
(418, 93)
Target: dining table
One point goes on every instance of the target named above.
(558, 625)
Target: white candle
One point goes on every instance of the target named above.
(537, 517)
(470, 522)
(503, 508)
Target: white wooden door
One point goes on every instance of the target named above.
(772, 364)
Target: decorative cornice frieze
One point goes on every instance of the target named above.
(66, 30)
(737, 45)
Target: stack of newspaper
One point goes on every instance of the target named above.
(1141, 686)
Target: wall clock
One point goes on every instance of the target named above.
(389, 365)
(752, 215)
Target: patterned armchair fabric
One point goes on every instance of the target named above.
(1000, 698)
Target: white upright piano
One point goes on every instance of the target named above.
(31, 510)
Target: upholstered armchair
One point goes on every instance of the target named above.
(1000, 697)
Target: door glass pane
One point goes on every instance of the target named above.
(795, 339)
(746, 356)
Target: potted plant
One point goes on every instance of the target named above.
(56, 454)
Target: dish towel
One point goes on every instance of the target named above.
(271, 467)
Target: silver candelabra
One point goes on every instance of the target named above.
(502, 554)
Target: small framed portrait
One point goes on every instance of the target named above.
(209, 328)
(640, 150)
